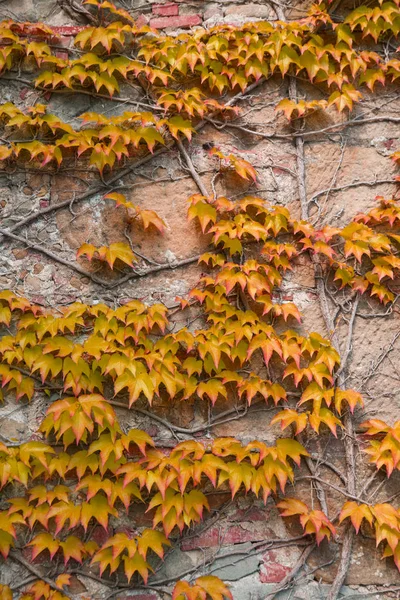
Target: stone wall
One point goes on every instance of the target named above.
(344, 173)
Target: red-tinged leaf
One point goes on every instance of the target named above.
(184, 591)
(5, 152)
(388, 552)
(203, 211)
(87, 250)
(150, 217)
(120, 200)
(6, 543)
(120, 543)
(324, 415)
(287, 310)
(138, 437)
(177, 125)
(344, 98)
(350, 396)
(120, 251)
(243, 168)
(292, 448)
(40, 589)
(99, 509)
(237, 475)
(375, 426)
(64, 512)
(106, 559)
(344, 274)
(136, 384)
(136, 564)
(356, 512)
(5, 592)
(386, 514)
(215, 588)
(317, 522)
(288, 417)
(5, 315)
(42, 542)
(152, 540)
(209, 465)
(73, 548)
(212, 388)
(291, 507)
(151, 136)
(35, 450)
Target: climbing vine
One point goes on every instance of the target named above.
(84, 469)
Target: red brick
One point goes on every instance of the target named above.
(68, 30)
(99, 535)
(272, 572)
(61, 54)
(142, 20)
(253, 515)
(23, 93)
(228, 535)
(178, 21)
(165, 10)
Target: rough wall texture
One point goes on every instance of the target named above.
(344, 172)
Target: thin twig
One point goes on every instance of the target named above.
(193, 172)
(17, 558)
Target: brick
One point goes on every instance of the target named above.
(38, 268)
(99, 535)
(229, 534)
(20, 253)
(249, 10)
(165, 10)
(61, 54)
(177, 21)
(142, 20)
(65, 41)
(68, 30)
(23, 93)
(272, 571)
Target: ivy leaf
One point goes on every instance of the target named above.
(290, 416)
(153, 540)
(42, 542)
(356, 512)
(136, 564)
(350, 396)
(243, 168)
(150, 217)
(73, 548)
(109, 254)
(5, 592)
(292, 506)
(120, 251)
(202, 210)
(184, 591)
(215, 588)
(99, 509)
(177, 125)
(212, 388)
(138, 437)
(344, 98)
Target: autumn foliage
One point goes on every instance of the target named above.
(83, 468)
